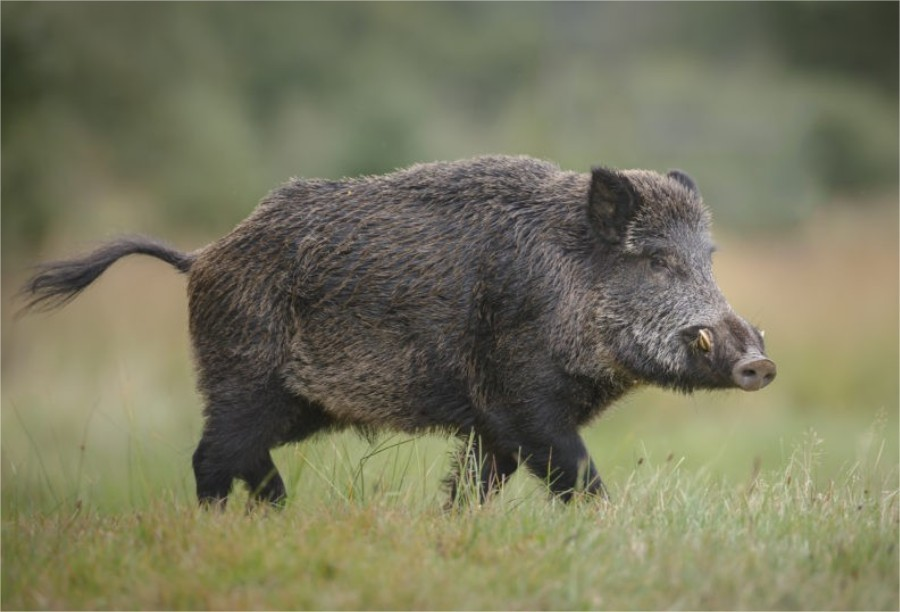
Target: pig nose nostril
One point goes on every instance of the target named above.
(754, 373)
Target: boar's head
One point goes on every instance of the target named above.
(663, 318)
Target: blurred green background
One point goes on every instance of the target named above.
(176, 118)
(189, 112)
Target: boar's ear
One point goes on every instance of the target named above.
(612, 203)
(686, 181)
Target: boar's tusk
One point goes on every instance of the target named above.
(704, 341)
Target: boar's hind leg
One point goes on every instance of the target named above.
(216, 467)
(212, 471)
(264, 481)
(562, 460)
(221, 458)
(236, 441)
(479, 464)
(215, 472)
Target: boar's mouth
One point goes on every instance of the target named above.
(722, 359)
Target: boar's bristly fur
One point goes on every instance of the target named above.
(499, 298)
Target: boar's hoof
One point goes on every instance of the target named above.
(754, 373)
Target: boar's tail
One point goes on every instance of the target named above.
(57, 283)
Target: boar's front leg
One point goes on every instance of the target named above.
(563, 462)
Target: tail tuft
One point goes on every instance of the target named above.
(57, 283)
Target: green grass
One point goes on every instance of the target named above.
(782, 499)
(671, 538)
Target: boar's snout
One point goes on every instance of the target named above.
(731, 353)
(753, 373)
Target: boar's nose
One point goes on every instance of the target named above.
(753, 373)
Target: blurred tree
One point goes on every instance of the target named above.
(184, 114)
(858, 40)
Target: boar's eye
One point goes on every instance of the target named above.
(658, 262)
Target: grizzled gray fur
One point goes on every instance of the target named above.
(499, 298)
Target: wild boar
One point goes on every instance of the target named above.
(499, 298)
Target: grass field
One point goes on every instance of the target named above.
(782, 499)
